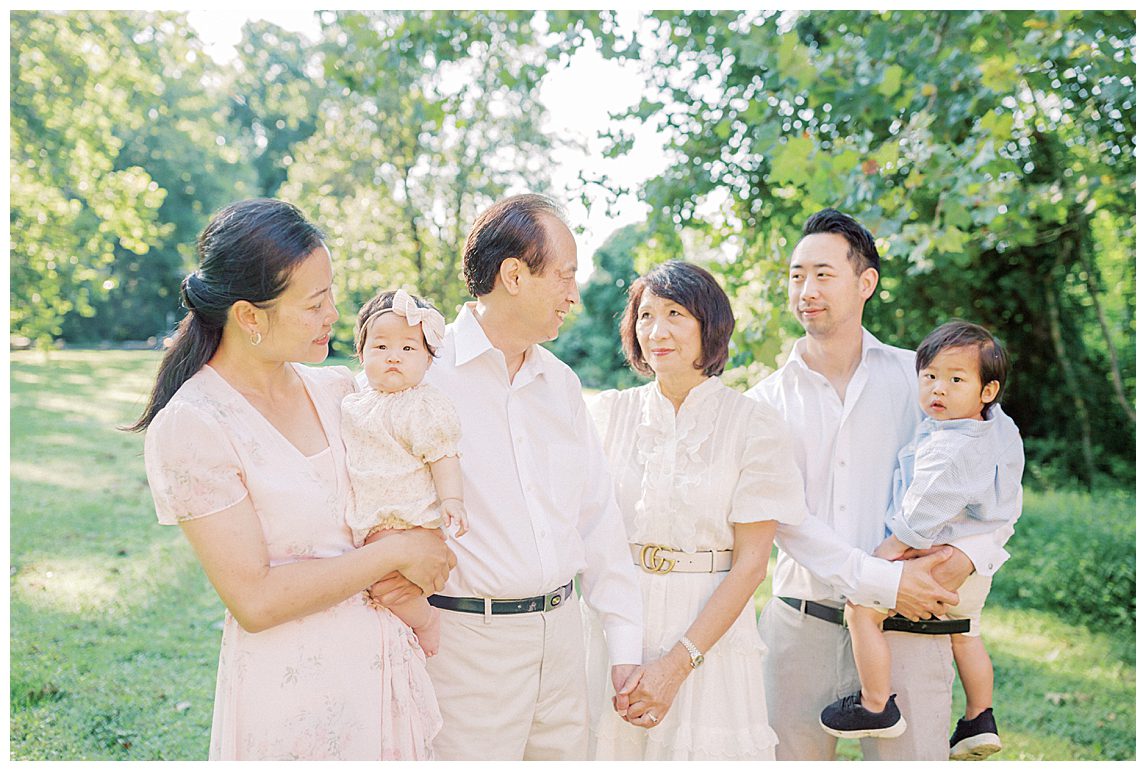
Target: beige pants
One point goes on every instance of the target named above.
(513, 688)
(809, 665)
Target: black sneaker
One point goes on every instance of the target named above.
(975, 739)
(847, 718)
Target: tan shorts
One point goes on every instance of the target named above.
(972, 595)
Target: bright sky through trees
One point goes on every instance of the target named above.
(579, 99)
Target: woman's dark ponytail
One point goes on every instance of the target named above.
(246, 252)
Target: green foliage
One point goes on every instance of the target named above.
(589, 342)
(433, 116)
(73, 206)
(117, 158)
(992, 154)
(1074, 554)
(274, 99)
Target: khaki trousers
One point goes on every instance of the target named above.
(809, 665)
(512, 687)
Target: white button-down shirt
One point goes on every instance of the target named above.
(537, 489)
(847, 452)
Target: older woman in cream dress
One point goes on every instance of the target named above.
(703, 475)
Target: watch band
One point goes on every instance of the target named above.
(693, 652)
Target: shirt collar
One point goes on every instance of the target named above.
(470, 340)
(868, 344)
(698, 393)
(965, 426)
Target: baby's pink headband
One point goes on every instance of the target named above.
(433, 324)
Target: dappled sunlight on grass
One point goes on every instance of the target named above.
(97, 583)
(70, 477)
(126, 626)
(94, 410)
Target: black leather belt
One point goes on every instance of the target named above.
(542, 603)
(835, 615)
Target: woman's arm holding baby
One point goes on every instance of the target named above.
(231, 547)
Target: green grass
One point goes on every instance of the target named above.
(115, 631)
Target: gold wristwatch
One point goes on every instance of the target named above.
(697, 658)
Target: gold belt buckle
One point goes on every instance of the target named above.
(653, 562)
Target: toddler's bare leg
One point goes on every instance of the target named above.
(872, 655)
(975, 672)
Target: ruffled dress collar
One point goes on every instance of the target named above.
(669, 451)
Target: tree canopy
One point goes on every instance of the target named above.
(992, 153)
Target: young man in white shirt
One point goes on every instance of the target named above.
(510, 675)
(851, 403)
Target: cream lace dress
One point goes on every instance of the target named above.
(391, 438)
(683, 480)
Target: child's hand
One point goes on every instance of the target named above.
(430, 633)
(891, 549)
(454, 514)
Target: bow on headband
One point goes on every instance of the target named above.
(433, 325)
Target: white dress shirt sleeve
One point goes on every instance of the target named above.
(609, 581)
(853, 573)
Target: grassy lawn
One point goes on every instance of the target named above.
(115, 630)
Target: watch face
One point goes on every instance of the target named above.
(696, 662)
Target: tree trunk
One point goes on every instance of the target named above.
(1092, 289)
(1071, 379)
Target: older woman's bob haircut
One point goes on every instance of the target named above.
(694, 288)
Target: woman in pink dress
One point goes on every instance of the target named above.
(243, 452)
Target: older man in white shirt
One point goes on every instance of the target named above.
(851, 403)
(510, 675)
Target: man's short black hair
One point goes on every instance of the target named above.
(861, 243)
(512, 227)
(956, 333)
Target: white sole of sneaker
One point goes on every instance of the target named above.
(879, 733)
(976, 747)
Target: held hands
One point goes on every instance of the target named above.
(655, 688)
(454, 514)
(625, 679)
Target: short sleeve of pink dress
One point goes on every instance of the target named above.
(346, 683)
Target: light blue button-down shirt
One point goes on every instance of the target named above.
(958, 478)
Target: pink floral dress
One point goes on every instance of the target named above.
(346, 683)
